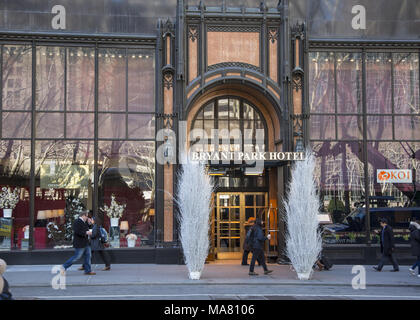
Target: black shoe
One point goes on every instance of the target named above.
(253, 274)
(244, 264)
(395, 270)
(376, 269)
(268, 271)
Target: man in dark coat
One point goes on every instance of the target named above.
(415, 246)
(387, 247)
(81, 245)
(247, 247)
(258, 248)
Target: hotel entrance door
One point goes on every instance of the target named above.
(231, 212)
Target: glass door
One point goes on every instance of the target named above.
(231, 212)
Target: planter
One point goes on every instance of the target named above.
(304, 275)
(114, 222)
(195, 275)
(7, 213)
(26, 234)
(131, 243)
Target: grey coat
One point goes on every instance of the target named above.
(415, 241)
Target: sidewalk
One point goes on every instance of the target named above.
(214, 274)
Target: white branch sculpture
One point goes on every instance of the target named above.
(303, 238)
(195, 188)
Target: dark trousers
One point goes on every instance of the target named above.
(416, 264)
(257, 255)
(245, 258)
(389, 257)
(104, 256)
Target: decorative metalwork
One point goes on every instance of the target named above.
(168, 119)
(233, 28)
(232, 65)
(298, 31)
(168, 80)
(298, 120)
(297, 83)
(273, 34)
(193, 33)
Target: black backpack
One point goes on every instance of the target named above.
(250, 237)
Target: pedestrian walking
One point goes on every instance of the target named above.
(258, 239)
(415, 246)
(4, 285)
(97, 241)
(81, 245)
(247, 245)
(387, 246)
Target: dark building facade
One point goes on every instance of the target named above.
(93, 94)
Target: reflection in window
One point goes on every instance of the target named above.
(17, 77)
(128, 173)
(15, 164)
(64, 188)
(321, 78)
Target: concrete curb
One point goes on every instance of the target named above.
(307, 283)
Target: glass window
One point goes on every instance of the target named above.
(112, 79)
(141, 80)
(64, 188)
(128, 174)
(80, 125)
(17, 77)
(80, 79)
(406, 83)
(49, 125)
(339, 173)
(321, 78)
(141, 126)
(379, 128)
(50, 78)
(322, 127)
(350, 127)
(378, 83)
(349, 82)
(111, 125)
(398, 202)
(407, 127)
(15, 164)
(16, 124)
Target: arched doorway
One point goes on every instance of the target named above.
(239, 195)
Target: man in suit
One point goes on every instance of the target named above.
(387, 246)
(81, 245)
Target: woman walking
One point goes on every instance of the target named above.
(415, 246)
(97, 244)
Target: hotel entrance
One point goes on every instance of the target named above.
(231, 212)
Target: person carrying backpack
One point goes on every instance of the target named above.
(98, 239)
(258, 240)
(415, 246)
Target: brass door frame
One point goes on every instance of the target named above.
(242, 208)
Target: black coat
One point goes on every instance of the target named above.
(258, 237)
(388, 244)
(95, 239)
(247, 246)
(415, 242)
(80, 239)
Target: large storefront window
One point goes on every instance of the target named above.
(391, 138)
(127, 171)
(52, 105)
(15, 164)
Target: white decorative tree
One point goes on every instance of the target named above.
(303, 238)
(195, 188)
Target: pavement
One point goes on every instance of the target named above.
(220, 273)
